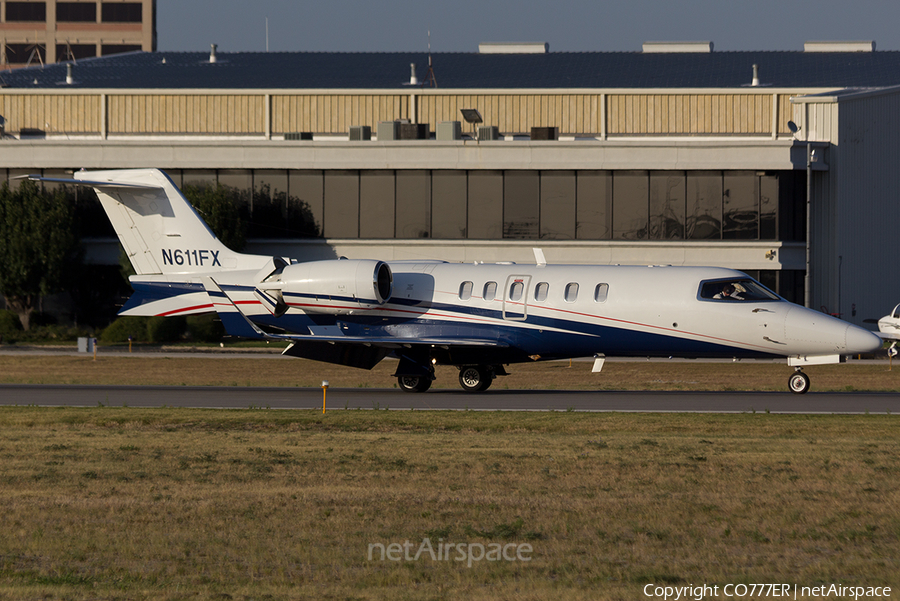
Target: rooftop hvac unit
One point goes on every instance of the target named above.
(360, 132)
(388, 130)
(414, 131)
(449, 130)
(545, 133)
(488, 132)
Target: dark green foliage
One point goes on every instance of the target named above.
(98, 294)
(38, 245)
(42, 319)
(277, 215)
(10, 326)
(144, 329)
(205, 328)
(218, 206)
(123, 327)
(165, 329)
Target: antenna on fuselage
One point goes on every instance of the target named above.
(539, 257)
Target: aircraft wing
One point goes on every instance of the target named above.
(238, 324)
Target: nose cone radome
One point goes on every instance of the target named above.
(861, 341)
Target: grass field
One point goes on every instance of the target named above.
(120, 503)
(267, 370)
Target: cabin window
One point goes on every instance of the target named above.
(540, 291)
(515, 291)
(465, 291)
(490, 291)
(736, 290)
(600, 293)
(571, 292)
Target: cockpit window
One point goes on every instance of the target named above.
(736, 290)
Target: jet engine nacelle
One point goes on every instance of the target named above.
(338, 287)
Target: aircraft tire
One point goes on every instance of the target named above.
(798, 382)
(475, 378)
(413, 383)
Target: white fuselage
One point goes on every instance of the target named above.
(566, 310)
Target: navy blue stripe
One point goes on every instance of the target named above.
(576, 338)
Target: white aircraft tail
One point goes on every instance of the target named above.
(159, 229)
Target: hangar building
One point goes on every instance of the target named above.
(677, 154)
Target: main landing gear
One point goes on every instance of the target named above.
(472, 378)
(475, 378)
(414, 383)
(798, 382)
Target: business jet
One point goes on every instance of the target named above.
(478, 317)
(889, 329)
(889, 325)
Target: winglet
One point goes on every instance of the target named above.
(235, 322)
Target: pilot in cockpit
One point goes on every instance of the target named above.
(729, 293)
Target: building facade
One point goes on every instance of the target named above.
(34, 32)
(658, 157)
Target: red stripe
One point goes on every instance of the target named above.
(182, 310)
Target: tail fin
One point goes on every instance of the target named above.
(158, 227)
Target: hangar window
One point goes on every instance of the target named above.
(465, 291)
(76, 12)
(26, 11)
(490, 291)
(22, 53)
(122, 12)
(75, 51)
(571, 292)
(601, 291)
(109, 49)
(540, 291)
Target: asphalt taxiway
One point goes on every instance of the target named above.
(446, 399)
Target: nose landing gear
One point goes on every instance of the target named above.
(798, 382)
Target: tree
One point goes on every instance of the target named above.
(38, 245)
(218, 206)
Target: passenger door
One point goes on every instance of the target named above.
(515, 298)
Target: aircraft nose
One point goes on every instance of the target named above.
(861, 341)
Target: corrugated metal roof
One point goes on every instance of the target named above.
(558, 70)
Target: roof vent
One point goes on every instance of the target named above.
(413, 80)
(514, 48)
(212, 53)
(69, 78)
(755, 83)
(839, 46)
(676, 47)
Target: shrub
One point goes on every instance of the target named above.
(123, 327)
(205, 328)
(54, 333)
(165, 329)
(42, 319)
(10, 326)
